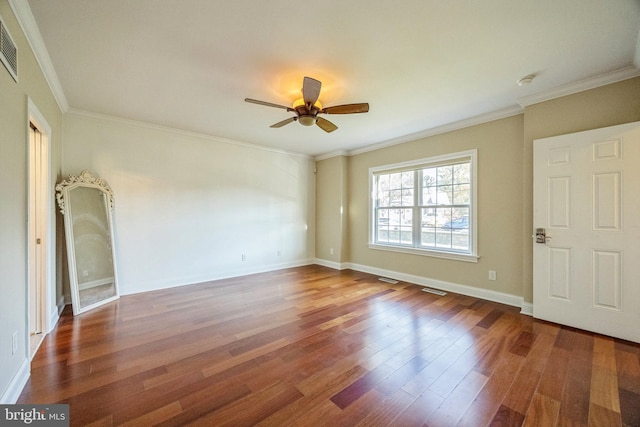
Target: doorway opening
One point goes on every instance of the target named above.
(39, 230)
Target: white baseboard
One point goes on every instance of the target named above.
(485, 294)
(54, 316)
(185, 281)
(330, 264)
(62, 302)
(527, 308)
(13, 391)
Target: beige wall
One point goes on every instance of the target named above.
(331, 214)
(605, 106)
(13, 195)
(499, 145)
(505, 208)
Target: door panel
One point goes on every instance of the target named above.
(587, 270)
(560, 273)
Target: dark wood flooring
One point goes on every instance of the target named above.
(312, 346)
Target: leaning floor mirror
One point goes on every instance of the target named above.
(86, 203)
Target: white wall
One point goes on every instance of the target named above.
(187, 207)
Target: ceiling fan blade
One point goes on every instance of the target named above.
(347, 109)
(310, 90)
(268, 104)
(326, 125)
(284, 122)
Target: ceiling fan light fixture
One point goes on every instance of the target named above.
(307, 120)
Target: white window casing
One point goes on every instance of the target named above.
(426, 207)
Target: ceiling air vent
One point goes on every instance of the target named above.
(8, 52)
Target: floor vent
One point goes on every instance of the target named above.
(386, 279)
(434, 291)
(8, 52)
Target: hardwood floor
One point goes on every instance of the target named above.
(313, 346)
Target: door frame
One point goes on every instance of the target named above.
(44, 223)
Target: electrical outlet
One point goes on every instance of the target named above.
(85, 273)
(244, 257)
(331, 251)
(492, 275)
(14, 342)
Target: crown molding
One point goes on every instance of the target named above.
(27, 23)
(582, 85)
(337, 153)
(461, 124)
(186, 133)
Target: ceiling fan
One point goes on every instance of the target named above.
(308, 107)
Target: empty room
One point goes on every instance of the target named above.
(367, 213)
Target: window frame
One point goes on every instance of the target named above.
(442, 160)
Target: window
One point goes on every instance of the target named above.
(426, 206)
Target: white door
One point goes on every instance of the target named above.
(586, 196)
(37, 201)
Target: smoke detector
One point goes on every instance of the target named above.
(526, 80)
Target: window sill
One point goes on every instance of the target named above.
(426, 252)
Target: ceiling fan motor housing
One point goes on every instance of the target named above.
(307, 117)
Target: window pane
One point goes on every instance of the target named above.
(382, 225)
(461, 194)
(395, 198)
(427, 227)
(407, 179)
(395, 181)
(428, 237)
(383, 182)
(406, 226)
(462, 173)
(383, 198)
(454, 233)
(407, 197)
(460, 240)
(445, 195)
(445, 175)
(429, 177)
(443, 217)
(443, 239)
(383, 217)
(395, 189)
(428, 217)
(395, 226)
(461, 214)
(429, 196)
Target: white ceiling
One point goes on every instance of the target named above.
(420, 64)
